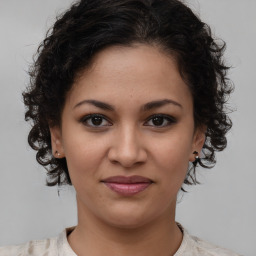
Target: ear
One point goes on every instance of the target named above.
(198, 142)
(56, 141)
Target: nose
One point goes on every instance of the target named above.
(127, 148)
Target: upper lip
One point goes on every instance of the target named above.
(127, 179)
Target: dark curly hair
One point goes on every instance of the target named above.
(92, 25)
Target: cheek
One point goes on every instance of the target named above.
(83, 155)
(172, 159)
(174, 149)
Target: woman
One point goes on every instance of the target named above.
(127, 98)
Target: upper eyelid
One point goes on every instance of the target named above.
(162, 115)
(86, 117)
(148, 118)
(166, 116)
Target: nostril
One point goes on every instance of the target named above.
(127, 159)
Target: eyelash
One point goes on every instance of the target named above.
(169, 119)
(88, 117)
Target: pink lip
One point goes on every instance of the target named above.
(127, 186)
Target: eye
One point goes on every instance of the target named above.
(160, 120)
(95, 120)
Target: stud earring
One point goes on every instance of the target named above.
(57, 153)
(197, 158)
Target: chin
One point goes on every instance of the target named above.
(128, 219)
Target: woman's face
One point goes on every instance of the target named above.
(128, 135)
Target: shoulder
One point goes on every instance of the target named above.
(194, 246)
(47, 247)
(32, 248)
(206, 248)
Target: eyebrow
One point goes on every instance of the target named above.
(96, 103)
(148, 106)
(159, 103)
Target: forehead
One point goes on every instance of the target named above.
(139, 73)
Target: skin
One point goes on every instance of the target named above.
(127, 141)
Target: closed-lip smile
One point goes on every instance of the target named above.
(127, 185)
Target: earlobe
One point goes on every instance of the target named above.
(56, 141)
(198, 143)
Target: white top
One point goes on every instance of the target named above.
(59, 246)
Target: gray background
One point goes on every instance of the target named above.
(221, 210)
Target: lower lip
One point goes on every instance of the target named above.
(127, 189)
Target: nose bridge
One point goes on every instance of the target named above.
(128, 139)
(127, 148)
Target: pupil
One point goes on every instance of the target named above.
(158, 120)
(97, 120)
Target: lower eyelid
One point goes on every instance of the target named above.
(84, 120)
(170, 119)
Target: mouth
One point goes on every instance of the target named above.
(127, 186)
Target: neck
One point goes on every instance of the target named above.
(94, 237)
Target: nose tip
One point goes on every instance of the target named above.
(127, 151)
(127, 159)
